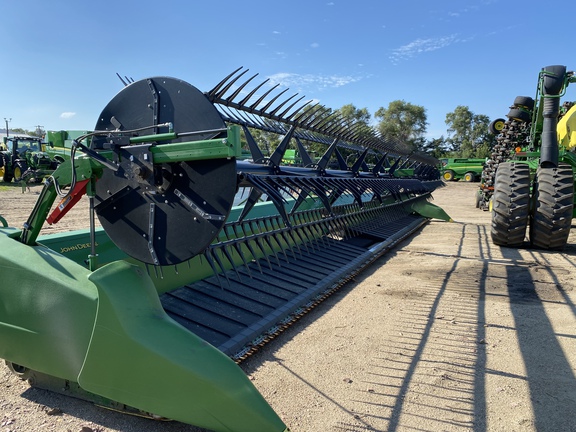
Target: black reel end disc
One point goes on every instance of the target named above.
(163, 214)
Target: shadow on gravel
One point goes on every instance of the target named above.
(550, 376)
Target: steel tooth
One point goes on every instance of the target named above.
(240, 88)
(275, 235)
(324, 227)
(212, 266)
(254, 256)
(257, 241)
(351, 225)
(216, 89)
(286, 234)
(263, 97)
(252, 92)
(216, 256)
(226, 232)
(253, 198)
(337, 225)
(344, 224)
(239, 231)
(294, 231)
(291, 240)
(288, 244)
(333, 228)
(287, 110)
(265, 255)
(273, 231)
(266, 238)
(238, 247)
(228, 86)
(317, 225)
(301, 227)
(308, 230)
(349, 222)
(228, 256)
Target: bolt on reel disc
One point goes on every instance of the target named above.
(162, 214)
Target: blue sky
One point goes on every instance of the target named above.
(61, 57)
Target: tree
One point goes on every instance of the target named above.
(404, 122)
(436, 147)
(350, 112)
(468, 133)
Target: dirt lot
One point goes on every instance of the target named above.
(446, 333)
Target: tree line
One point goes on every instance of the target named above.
(467, 134)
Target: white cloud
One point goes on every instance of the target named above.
(318, 82)
(420, 46)
(330, 4)
(67, 115)
(276, 32)
(314, 45)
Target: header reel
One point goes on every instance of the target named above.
(162, 213)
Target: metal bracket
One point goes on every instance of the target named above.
(151, 234)
(196, 208)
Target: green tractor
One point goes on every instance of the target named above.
(533, 186)
(23, 158)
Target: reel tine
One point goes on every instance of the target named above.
(244, 101)
(222, 92)
(273, 232)
(230, 260)
(220, 264)
(291, 240)
(217, 87)
(254, 256)
(257, 241)
(239, 89)
(265, 236)
(301, 240)
(238, 248)
(212, 266)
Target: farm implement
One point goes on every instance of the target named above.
(24, 158)
(151, 312)
(529, 181)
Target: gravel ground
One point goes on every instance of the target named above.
(445, 333)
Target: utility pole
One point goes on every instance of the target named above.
(7, 121)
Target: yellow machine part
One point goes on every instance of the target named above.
(567, 129)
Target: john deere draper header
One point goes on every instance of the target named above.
(151, 312)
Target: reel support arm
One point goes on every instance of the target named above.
(83, 169)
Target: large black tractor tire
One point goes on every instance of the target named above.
(524, 102)
(551, 216)
(519, 115)
(510, 204)
(7, 176)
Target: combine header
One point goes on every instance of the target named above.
(150, 313)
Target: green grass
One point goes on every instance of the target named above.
(9, 186)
